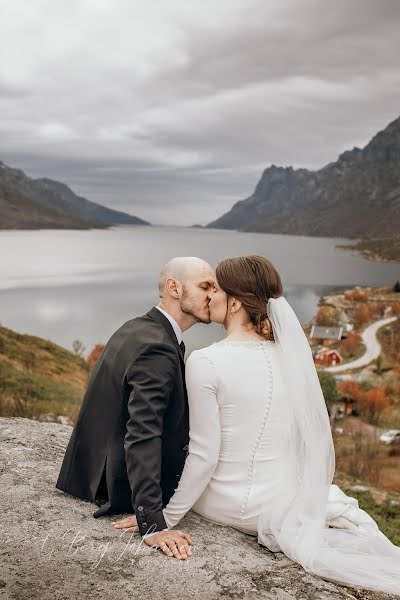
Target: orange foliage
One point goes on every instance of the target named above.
(362, 314)
(395, 308)
(374, 402)
(370, 403)
(375, 309)
(350, 388)
(94, 354)
(351, 343)
(357, 295)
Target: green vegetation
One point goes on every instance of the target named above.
(38, 377)
(382, 505)
(328, 386)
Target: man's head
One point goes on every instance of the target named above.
(185, 282)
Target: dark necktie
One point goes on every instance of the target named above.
(182, 345)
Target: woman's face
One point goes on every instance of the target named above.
(218, 303)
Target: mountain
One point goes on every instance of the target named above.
(27, 203)
(358, 196)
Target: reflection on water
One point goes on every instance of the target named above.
(66, 285)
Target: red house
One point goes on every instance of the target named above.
(327, 357)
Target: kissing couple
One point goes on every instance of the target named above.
(240, 433)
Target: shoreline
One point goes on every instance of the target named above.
(381, 250)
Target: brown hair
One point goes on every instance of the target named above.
(252, 280)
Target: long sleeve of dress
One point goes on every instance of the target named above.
(204, 437)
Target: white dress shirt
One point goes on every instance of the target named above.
(177, 329)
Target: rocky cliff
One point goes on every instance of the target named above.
(356, 196)
(52, 547)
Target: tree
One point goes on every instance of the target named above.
(94, 354)
(356, 295)
(396, 287)
(328, 386)
(375, 309)
(78, 347)
(352, 389)
(395, 308)
(370, 402)
(327, 316)
(362, 314)
(374, 401)
(351, 343)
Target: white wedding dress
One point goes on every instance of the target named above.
(238, 461)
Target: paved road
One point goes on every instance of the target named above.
(373, 347)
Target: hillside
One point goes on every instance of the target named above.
(358, 196)
(38, 378)
(27, 203)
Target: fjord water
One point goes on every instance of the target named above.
(65, 285)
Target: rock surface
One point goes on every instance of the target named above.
(52, 547)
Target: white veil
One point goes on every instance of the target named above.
(296, 523)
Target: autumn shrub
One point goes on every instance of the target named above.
(94, 354)
(362, 314)
(356, 295)
(351, 344)
(327, 316)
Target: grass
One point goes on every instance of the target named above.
(366, 458)
(38, 377)
(380, 505)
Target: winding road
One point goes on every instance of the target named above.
(373, 347)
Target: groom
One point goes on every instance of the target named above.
(129, 443)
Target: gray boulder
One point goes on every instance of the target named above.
(53, 548)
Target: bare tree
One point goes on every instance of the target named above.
(78, 348)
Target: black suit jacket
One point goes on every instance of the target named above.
(129, 443)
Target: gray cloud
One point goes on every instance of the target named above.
(172, 110)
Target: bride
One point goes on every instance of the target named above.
(261, 456)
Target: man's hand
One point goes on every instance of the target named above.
(128, 524)
(173, 543)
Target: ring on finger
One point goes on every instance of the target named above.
(184, 546)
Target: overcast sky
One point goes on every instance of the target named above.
(170, 110)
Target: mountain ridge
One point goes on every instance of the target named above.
(365, 181)
(43, 203)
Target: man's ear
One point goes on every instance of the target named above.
(172, 287)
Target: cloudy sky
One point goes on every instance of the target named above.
(171, 110)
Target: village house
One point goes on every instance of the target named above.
(343, 407)
(327, 335)
(327, 357)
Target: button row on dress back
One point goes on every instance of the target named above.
(261, 430)
(245, 343)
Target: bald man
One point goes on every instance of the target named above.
(129, 443)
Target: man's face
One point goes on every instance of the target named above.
(195, 295)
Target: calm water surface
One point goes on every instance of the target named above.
(67, 285)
